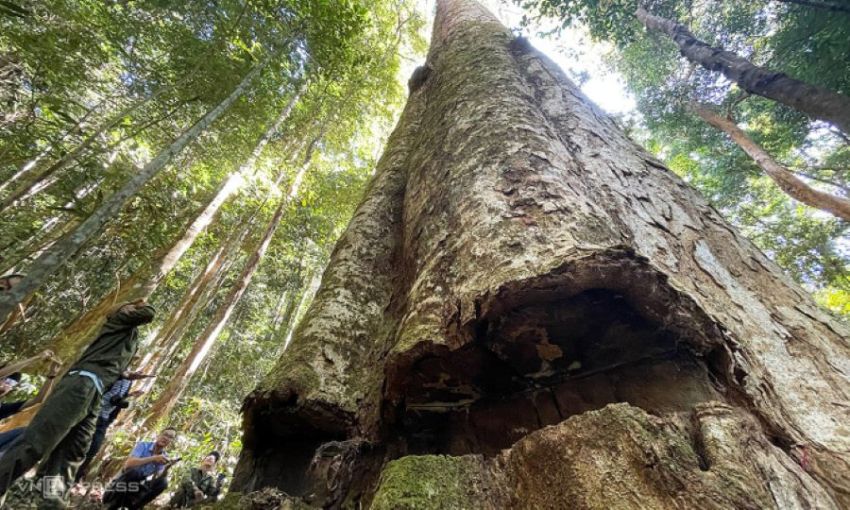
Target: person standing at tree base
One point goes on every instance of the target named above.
(114, 400)
(63, 428)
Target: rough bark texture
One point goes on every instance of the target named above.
(793, 186)
(816, 102)
(516, 267)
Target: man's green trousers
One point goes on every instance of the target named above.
(61, 431)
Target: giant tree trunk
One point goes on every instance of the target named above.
(529, 311)
(816, 102)
(50, 261)
(792, 185)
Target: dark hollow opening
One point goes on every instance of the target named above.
(539, 364)
(279, 452)
(283, 464)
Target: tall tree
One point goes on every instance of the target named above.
(817, 102)
(58, 254)
(518, 262)
(205, 341)
(782, 37)
(145, 281)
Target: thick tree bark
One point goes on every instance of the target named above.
(518, 262)
(789, 183)
(816, 102)
(52, 259)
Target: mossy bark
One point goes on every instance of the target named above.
(518, 264)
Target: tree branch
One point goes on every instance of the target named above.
(784, 178)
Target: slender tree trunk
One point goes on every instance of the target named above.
(33, 181)
(147, 280)
(206, 340)
(789, 183)
(281, 311)
(51, 260)
(828, 6)
(194, 299)
(529, 311)
(50, 232)
(167, 341)
(36, 244)
(140, 284)
(180, 378)
(225, 191)
(182, 314)
(295, 316)
(814, 101)
(32, 164)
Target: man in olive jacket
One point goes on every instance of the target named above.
(63, 427)
(200, 486)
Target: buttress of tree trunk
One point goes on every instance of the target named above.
(53, 258)
(518, 262)
(816, 102)
(789, 183)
